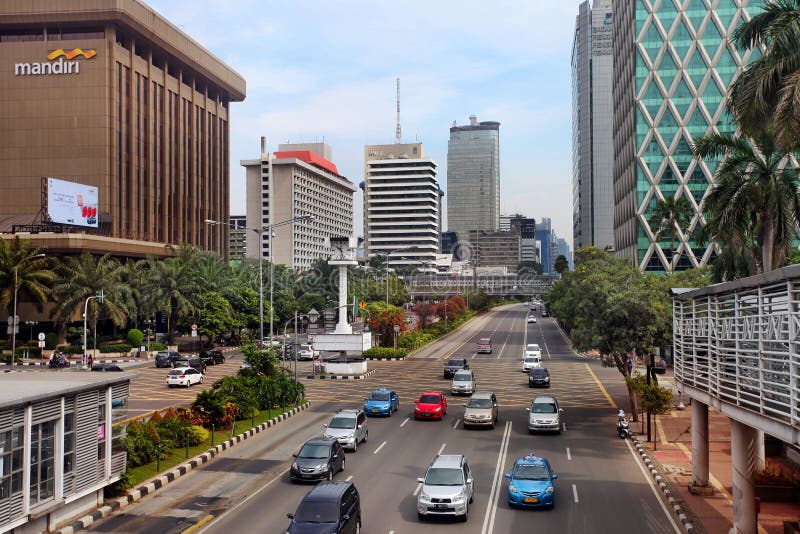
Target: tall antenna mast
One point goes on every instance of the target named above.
(397, 132)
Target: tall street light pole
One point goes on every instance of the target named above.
(15, 319)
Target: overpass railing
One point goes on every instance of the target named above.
(491, 284)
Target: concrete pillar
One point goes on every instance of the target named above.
(343, 327)
(699, 444)
(760, 455)
(743, 458)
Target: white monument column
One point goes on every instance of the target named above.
(342, 255)
(343, 327)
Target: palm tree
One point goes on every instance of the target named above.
(754, 200)
(34, 277)
(767, 93)
(174, 288)
(671, 215)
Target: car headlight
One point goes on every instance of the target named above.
(458, 498)
(547, 379)
(512, 488)
(385, 407)
(549, 489)
(295, 466)
(424, 496)
(438, 409)
(323, 467)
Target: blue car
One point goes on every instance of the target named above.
(531, 483)
(381, 402)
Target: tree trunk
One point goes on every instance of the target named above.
(623, 369)
(767, 242)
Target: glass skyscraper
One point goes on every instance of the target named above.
(473, 178)
(673, 64)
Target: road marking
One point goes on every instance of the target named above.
(441, 448)
(649, 479)
(348, 479)
(575, 492)
(406, 421)
(379, 448)
(494, 494)
(569, 455)
(563, 427)
(474, 354)
(456, 423)
(197, 526)
(416, 491)
(600, 385)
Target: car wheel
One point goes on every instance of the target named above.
(201, 379)
(465, 516)
(358, 527)
(355, 445)
(344, 460)
(420, 516)
(471, 498)
(330, 475)
(366, 435)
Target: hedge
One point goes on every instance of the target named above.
(385, 352)
(118, 347)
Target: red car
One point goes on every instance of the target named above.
(430, 405)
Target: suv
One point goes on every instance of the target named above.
(484, 345)
(447, 488)
(539, 377)
(329, 507)
(167, 358)
(212, 356)
(453, 365)
(194, 362)
(463, 383)
(349, 427)
(544, 415)
(481, 410)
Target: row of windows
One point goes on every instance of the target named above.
(51, 34)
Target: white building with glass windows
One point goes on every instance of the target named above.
(56, 447)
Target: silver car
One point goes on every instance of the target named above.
(463, 383)
(544, 415)
(349, 427)
(447, 488)
(481, 410)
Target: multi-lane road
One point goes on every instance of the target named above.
(601, 485)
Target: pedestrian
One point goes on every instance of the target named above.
(89, 361)
(629, 364)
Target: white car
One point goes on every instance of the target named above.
(306, 352)
(531, 318)
(533, 349)
(529, 362)
(184, 376)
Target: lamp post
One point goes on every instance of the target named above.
(412, 247)
(260, 231)
(99, 296)
(15, 319)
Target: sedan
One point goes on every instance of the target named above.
(531, 483)
(184, 376)
(430, 405)
(382, 402)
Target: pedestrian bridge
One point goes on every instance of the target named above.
(497, 285)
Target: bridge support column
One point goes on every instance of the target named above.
(760, 454)
(699, 484)
(743, 458)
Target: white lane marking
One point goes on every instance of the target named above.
(348, 479)
(406, 421)
(473, 356)
(569, 455)
(563, 427)
(456, 423)
(379, 448)
(391, 532)
(441, 448)
(652, 485)
(416, 491)
(575, 492)
(494, 494)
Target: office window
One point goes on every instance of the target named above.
(42, 462)
(11, 445)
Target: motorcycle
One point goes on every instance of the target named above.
(623, 428)
(56, 364)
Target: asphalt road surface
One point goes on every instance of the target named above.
(601, 486)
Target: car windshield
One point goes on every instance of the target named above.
(455, 363)
(342, 422)
(439, 476)
(317, 512)
(543, 407)
(538, 372)
(314, 451)
(533, 347)
(379, 396)
(530, 472)
(531, 359)
(429, 399)
(462, 377)
(479, 403)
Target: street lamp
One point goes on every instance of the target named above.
(412, 247)
(15, 319)
(260, 231)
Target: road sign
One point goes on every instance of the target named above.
(41, 336)
(362, 305)
(194, 333)
(41, 344)
(194, 327)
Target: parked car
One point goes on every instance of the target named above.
(329, 507)
(481, 410)
(539, 377)
(382, 401)
(531, 318)
(530, 362)
(661, 367)
(447, 488)
(193, 362)
(318, 459)
(166, 358)
(430, 405)
(349, 427)
(453, 365)
(107, 367)
(484, 345)
(463, 383)
(544, 415)
(531, 483)
(212, 356)
(184, 376)
(306, 352)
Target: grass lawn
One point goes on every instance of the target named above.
(179, 456)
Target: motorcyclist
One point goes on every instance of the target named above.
(622, 424)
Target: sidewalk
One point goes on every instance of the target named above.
(672, 456)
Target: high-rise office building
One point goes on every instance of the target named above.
(673, 64)
(547, 247)
(401, 205)
(565, 250)
(592, 119)
(237, 237)
(294, 181)
(473, 177)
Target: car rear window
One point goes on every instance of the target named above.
(456, 361)
(485, 341)
(176, 372)
(533, 346)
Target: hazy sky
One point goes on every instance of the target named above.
(326, 70)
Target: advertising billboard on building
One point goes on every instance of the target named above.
(71, 203)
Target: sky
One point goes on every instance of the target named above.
(326, 70)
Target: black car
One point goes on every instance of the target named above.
(193, 362)
(318, 459)
(453, 365)
(212, 356)
(538, 377)
(106, 367)
(167, 358)
(331, 507)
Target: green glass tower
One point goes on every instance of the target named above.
(673, 64)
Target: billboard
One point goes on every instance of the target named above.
(71, 203)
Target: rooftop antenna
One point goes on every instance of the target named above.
(397, 133)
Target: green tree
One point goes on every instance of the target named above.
(561, 264)
(654, 399)
(174, 288)
(34, 276)
(311, 300)
(214, 315)
(382, 320)
(671, 216)
(755, 195)
(135, 337)
(285, 306)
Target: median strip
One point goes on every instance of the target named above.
(494, 494)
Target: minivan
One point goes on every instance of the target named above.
(167, 358)
(329, 507)
(463, 383)
(349, 427)
(544, 415)
(447, 488)
(481, 410)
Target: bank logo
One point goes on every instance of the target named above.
(88, 54)
(56, 64)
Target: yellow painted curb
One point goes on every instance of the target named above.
(198, 525)
(600, 385)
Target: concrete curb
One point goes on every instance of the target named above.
(384, 359)
(673, 502)
(154, 484)
(341, 377)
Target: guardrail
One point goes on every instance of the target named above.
(490, 284)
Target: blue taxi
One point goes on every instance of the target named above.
(382, 401)
(531, 483)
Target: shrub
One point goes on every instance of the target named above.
(385, 352)
(50, 340)
(210, 407)
(140, 447)
(197, 435)
(118, 347)
(120, 487)
(135, 337)
(157, 345)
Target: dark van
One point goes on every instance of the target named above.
(167, 358)
(329, 507)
